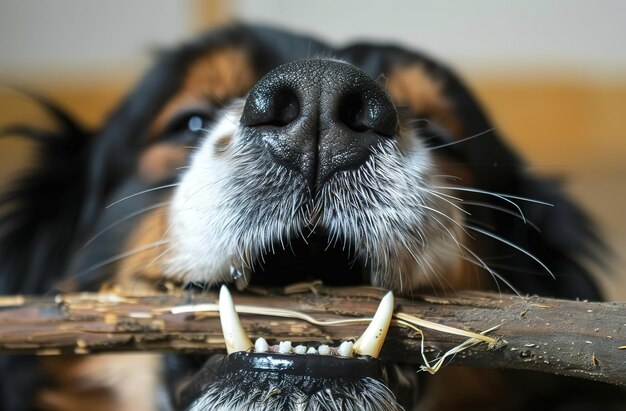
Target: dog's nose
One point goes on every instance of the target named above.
(318, 117)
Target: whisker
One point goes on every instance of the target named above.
(499, 257)
(102, 263)
(442, 198)
(447, 217)
(513, 203)
(496, 276)
(121, 220)
(441, 193)
(158, 257)
(510, 244)
(450, 176)
(499, 195)
(118, 257)
(515, 269)
(504, 210)
(420, 262)
(461, 140)
(169, 227)
(447, 230)
(142, 192)
(481, 266)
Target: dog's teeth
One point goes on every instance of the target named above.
(234, 335)
(311, 350)
(372, 340)
(261, 346)
(300, 349)
(345, 349)
(284, 347)
(324, 349)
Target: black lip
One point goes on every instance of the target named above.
(314, 365)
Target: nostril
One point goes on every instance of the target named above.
(268, 106)
(353, 112)
(368, 109)
(286, 108)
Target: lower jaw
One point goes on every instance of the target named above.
(277, 381)
(322, 373)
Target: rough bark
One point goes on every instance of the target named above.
(582, 339)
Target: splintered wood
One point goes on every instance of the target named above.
(581, 339)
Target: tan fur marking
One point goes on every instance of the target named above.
(413, 87)
(222, 144)
(121, 382)
(160, 161)
(139, 272)
(463, 275)
(217, 76)
(449, 272)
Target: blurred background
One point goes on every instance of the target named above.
(551, 73)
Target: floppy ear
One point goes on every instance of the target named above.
(39, 211)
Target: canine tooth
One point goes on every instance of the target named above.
(260, 345)
(372, 340)
(324, 349)
(284, 347)
(234, 335)
(300, 349)
(311, 350)
(345, 349)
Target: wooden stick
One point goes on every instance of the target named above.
(582, 339)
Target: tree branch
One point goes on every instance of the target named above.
(582, 339)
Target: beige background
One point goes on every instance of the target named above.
(553, 74)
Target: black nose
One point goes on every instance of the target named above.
(318, 117)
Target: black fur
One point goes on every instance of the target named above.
(40, 211)
(49, 214)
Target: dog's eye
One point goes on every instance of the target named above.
(187, 126)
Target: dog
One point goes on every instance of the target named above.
(256, 157)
